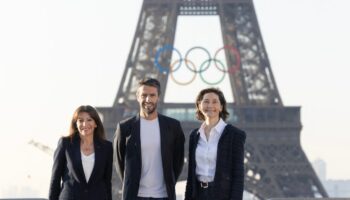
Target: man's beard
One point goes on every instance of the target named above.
(148, 110)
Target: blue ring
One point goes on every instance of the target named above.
(158, 53)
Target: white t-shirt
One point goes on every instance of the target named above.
(152, 182)
(88, 164)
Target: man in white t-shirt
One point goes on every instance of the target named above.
(149, 149)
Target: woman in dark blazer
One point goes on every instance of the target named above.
(82, 168)
(216, 152)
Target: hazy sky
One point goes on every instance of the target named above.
(57, 55)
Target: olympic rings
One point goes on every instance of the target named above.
(209, 59)
(183, 83)
(158, 54)
(175, 65)
(235, 52)
(217, 82)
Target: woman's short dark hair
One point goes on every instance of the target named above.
(99, 131)
(150, 82)
(223, 114)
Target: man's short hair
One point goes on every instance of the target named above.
(150, 82)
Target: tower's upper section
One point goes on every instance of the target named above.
(196, 7)
(247, 63)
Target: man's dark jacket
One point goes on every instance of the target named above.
(127, 145)
(229, 173)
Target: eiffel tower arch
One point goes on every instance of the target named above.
(275, 164)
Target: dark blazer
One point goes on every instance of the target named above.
(127, 145)
(229, 174)
(68, 168)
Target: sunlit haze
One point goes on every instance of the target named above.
(57, 55)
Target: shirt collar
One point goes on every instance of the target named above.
(218, 128)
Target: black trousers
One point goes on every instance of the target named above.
(205, 191)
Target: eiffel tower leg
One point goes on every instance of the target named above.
(275, 163)
(276, 166)
(253, 84)
(156, 28)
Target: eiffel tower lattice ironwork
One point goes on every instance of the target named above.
(275, 164)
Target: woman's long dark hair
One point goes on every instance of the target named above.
(99, 131)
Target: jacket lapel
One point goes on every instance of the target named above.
(219, 149)
(98, 158)
(135, 129)
(195, 143)
(163, 129)
(193, 157)
(78, 166)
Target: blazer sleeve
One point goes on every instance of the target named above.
(108, 170)
(189, 182)
(119, 148)
(238, 165)
(59, 163)
(178, 157)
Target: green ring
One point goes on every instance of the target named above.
(214, 83)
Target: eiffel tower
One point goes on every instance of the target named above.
(275, 164)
